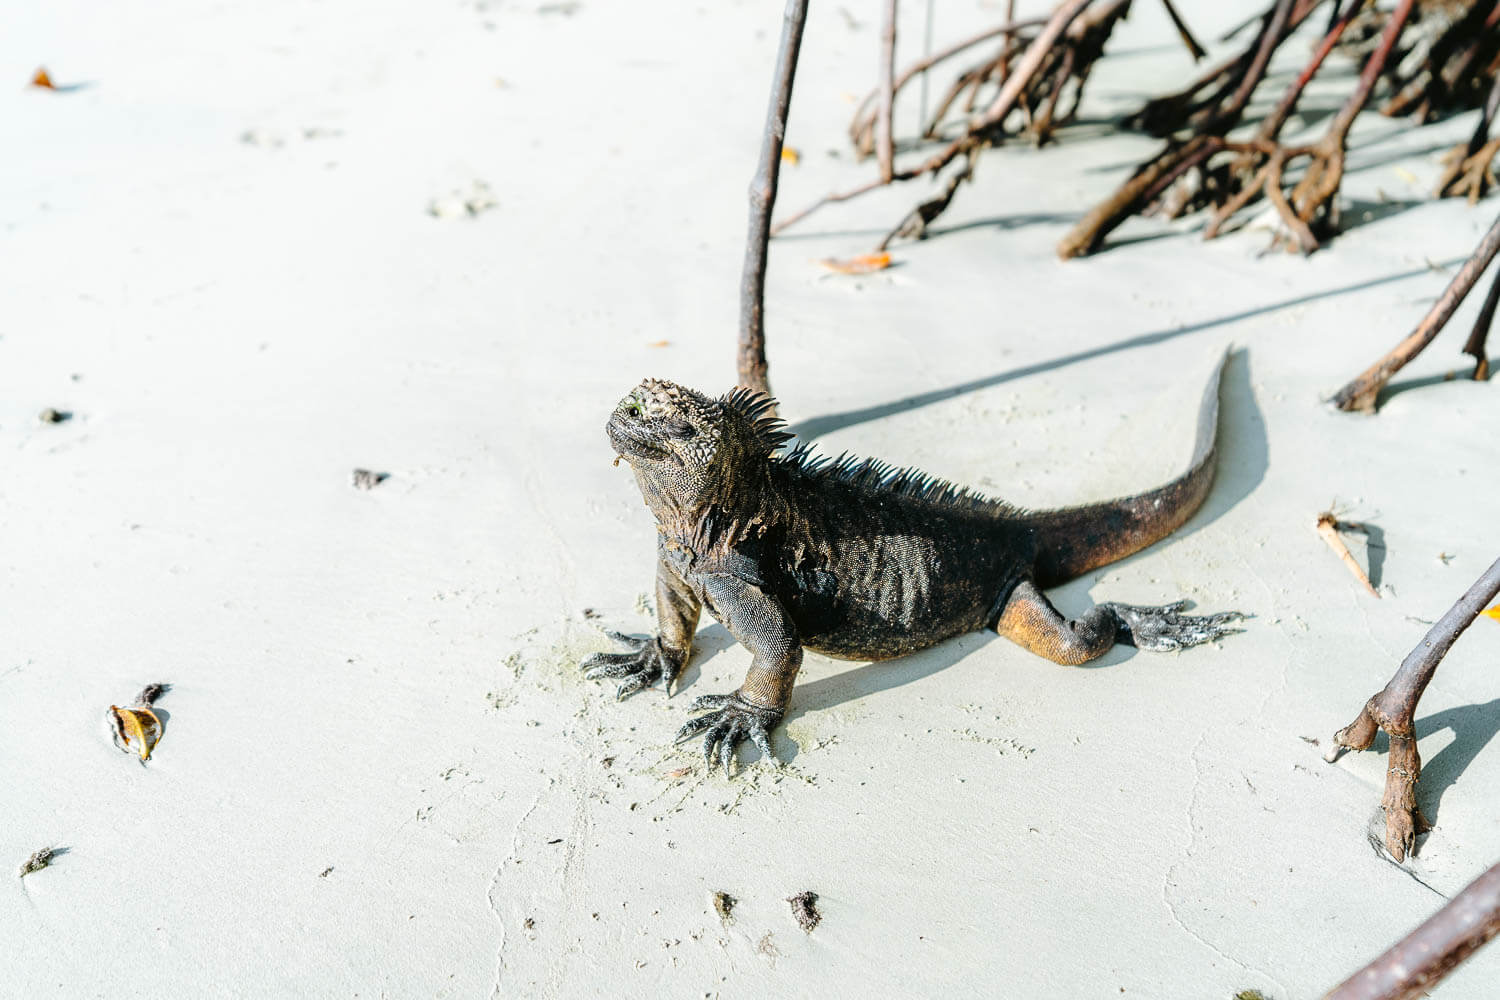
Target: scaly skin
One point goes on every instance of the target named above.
(857, 559)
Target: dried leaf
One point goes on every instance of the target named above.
(680, 772)
(790, 154)
(137, 729)
(41, 79)
(1406, 175)
(1492, 612)
(659, 343)
(865, 263)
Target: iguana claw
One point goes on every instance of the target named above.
(730, 721)
(1162, 629)
(647, 662)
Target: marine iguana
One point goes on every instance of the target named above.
(858, 559)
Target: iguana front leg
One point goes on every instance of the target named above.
(1030, 620)
(661, 658)
(762, 626)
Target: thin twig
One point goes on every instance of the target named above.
(1328, 528)
(996, 113)
(752, 366)
(885, 147)
(863, 121)
(1474, 346)
(1194, 49)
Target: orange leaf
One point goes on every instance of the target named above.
(789, 154)
(41, 79)
(659, 343)
(862, 264)
(1492, 612)
(136, 729)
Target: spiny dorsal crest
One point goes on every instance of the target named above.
(881, 477)
(762, 430)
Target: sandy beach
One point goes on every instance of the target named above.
(250, 248)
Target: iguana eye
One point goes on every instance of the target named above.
(633, 408)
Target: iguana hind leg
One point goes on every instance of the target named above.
(1030, 620)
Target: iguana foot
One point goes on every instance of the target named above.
(730, 721)
(647, 662)
(1161, 629)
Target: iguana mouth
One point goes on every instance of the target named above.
(630, 440)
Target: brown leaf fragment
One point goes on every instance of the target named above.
(137, 729)
(1328, 528)
(805, 909)
(41, 79)
(39, 860)
(864, 263)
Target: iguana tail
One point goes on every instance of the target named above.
(1074, 540)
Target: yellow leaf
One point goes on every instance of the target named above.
(789, 154)
(862, 264)
(41, 79)
(1406, 175)
(1492, 612)
(138, 728)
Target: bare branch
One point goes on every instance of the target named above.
(752, 365)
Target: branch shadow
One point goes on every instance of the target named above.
(1427, 381)
(815, 427)
(1474, 728)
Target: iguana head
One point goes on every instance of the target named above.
(689, 448)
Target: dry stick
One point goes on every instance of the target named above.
(1328, 528)
(1392, 710)
(1322, 179)
(1474, 346)
(864, 115)
(1463, 157)
(1440, 69)
(926, 51)
(1360, 393)
(1271, 128)
(752, 348)
(1305, 238)
(1193, 47)
(1010, 15)
(885, 146)
(1003, 104)
(1104, 217)
(1424, 957)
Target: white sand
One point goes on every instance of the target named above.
(381, 774)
